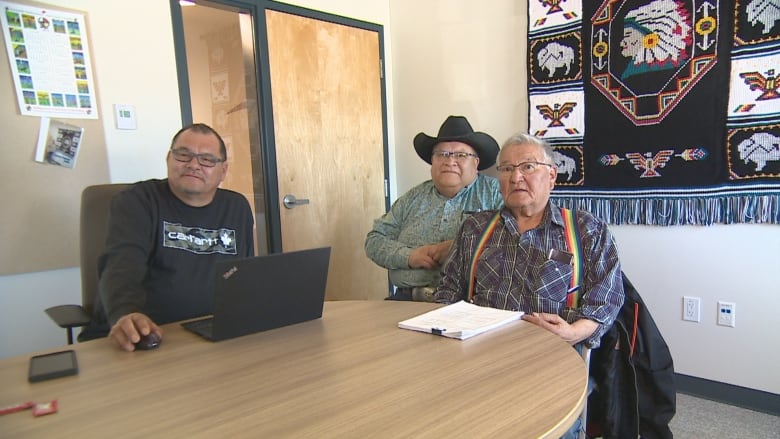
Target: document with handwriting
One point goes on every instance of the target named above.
(460, 320)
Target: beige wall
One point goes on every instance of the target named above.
(134, 64)
(453, 57)
(443, 57)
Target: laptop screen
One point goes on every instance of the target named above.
(266, 292)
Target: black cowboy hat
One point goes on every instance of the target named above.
(458, 129)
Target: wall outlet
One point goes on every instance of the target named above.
(691, 309)
(726, 313)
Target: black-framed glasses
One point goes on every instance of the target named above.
(457, 155)
(184, 155)
(525, 168)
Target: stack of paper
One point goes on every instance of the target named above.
(460, 320)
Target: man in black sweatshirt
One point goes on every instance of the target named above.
(164, 237)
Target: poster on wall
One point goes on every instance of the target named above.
(48, 53)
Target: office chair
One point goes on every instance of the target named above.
(95, 209)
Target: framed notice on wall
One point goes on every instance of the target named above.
(48, 52)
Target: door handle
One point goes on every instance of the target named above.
(290, 201)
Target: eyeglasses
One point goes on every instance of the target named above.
(525, 168)
(457, 155)
(185, 155)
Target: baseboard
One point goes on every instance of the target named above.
(744, 397)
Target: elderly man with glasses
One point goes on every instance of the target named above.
(413, 239)
(560, 267)
(164, 237)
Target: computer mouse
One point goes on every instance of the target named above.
(148, 342)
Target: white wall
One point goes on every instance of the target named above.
(24, 327)
(446, 57)
(734, 263)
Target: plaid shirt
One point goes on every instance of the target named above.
(514, 271)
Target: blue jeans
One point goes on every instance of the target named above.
(574, 431)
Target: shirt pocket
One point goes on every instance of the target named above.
(552, 280)
(491, 268)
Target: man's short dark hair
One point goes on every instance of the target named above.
(202, 128)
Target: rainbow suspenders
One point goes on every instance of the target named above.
(486, 234)
(572, 236)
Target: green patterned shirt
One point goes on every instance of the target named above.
(423, 216)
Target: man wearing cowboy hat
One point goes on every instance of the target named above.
(413, 239)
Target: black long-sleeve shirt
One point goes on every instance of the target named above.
(160, 252)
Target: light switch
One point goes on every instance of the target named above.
(125, 117)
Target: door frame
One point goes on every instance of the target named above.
(267, 137)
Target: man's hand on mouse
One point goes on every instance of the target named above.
(129, 328)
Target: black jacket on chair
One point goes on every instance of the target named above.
(634, 392)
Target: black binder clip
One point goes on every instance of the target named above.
(438, 331)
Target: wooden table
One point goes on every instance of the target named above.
(351, 374)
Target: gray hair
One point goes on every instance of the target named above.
(521, 138)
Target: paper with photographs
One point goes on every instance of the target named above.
(59, 143)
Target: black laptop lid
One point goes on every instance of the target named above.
(267, 292)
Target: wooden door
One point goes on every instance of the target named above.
(327, 110)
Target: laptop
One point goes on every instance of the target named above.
(265, 292)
